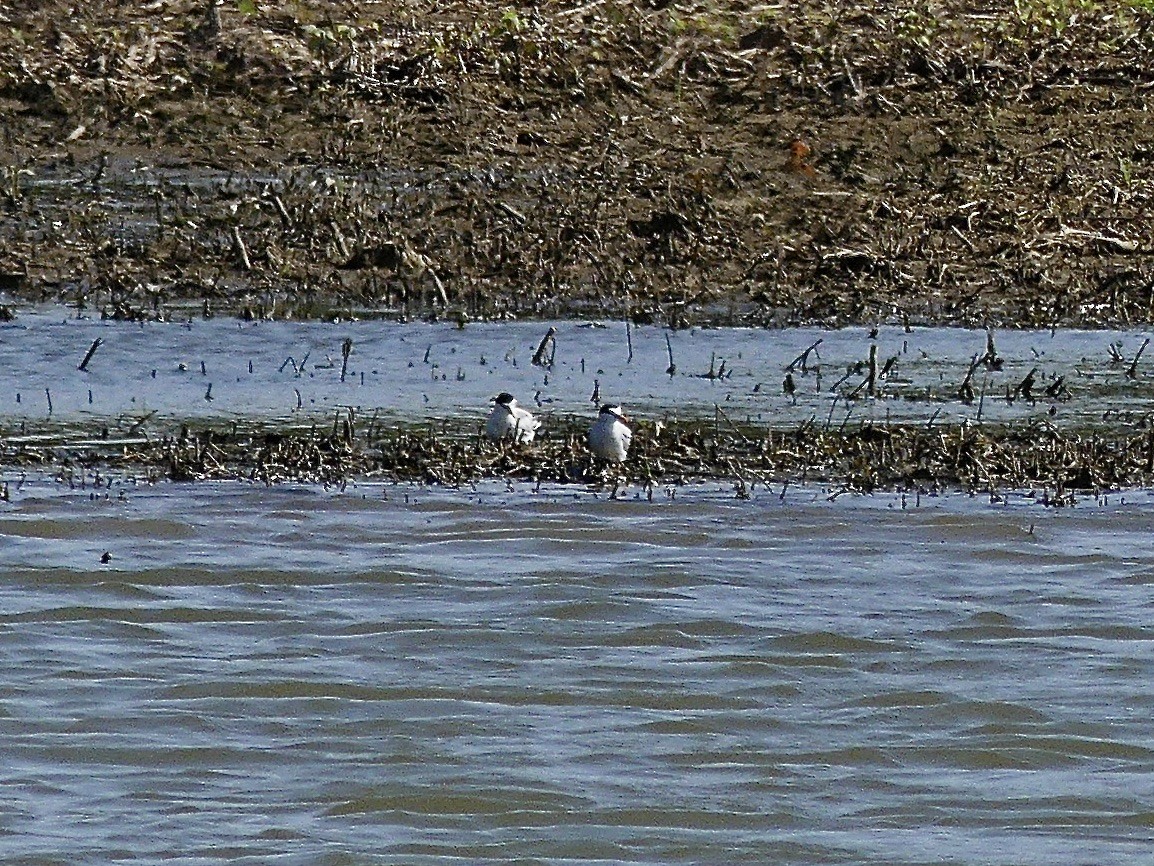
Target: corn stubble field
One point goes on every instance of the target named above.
(677, 164)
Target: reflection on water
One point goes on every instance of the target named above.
(396, 674)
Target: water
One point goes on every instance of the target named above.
(391, 674)
(145, 377)
(387, 674)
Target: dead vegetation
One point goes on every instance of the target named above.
(676, 162)
(863, 458)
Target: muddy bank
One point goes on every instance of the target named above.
(673, 162)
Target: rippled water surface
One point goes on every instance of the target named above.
(401, 675)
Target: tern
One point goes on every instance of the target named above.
(609, 437)
(510, 421)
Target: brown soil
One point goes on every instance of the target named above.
(682, 162)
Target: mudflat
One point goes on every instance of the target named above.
(677, 163)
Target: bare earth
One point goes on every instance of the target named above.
(676, 162)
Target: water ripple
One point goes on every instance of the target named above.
(329, 677)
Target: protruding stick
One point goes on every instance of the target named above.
(628, 332)
(88, 355)
(346, 350)
(1132, 372)
(546, 349)
(241, 249)
(802, 359)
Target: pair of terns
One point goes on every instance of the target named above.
(609, 437)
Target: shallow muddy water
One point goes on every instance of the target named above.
(395, 674)
(223, 369)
